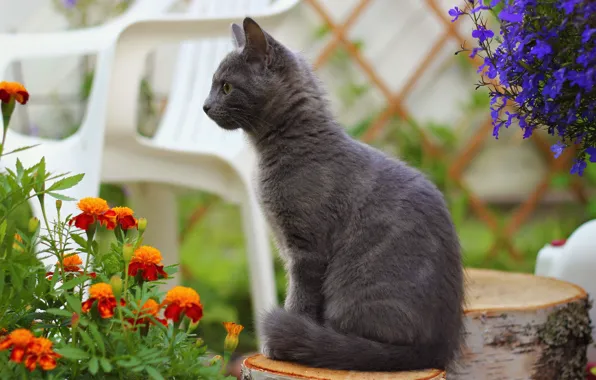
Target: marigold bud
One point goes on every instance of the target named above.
(214, 360)
(33, 224)
(142, 225)
(199, 342)
(128, 251)
(58, 204)
(193, 325)
(116, 283)
(74, 320)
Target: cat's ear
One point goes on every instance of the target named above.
(257, 47)
(238, 36)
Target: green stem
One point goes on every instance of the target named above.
(172, 343)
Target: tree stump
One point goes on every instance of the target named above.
(518, 327)
(258, 367)
(521, 326)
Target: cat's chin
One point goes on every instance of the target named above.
(228, 127)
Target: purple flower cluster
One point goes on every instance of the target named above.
(544, 61)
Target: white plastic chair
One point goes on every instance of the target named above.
(82, 151)
(188, 150)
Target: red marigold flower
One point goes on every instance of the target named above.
(125, 218)
(147, 260)
(106, 302)
(39, 351)
(8, 90)
(93, 210)
(231, 341)
(183, 300)
(18, 340)
(150, 308)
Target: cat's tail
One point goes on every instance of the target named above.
(295, 338)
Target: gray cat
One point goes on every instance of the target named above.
(373, 259)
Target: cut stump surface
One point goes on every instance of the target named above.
(258, 367)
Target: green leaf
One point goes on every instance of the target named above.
(87, 339)
(61, 197)
(93, 365)
(60, 312)
(591, 209)
(98, 338)
(3, 226)
(72, 353)
(322, 31)
(106, 365)
(66, 183)
(72, 283)
(154, 373)
(132, 362)
(79, 240)
(19, 149)
(561, 181)
(74, 303)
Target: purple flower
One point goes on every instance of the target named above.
(578, 167)
(591, 151)
(455, 13)
(568, 5)
(557, 148)
(475, 51)
(479, 8)
(505, 15)
(69, 3)
(587, 34)
(482, 34)
(546, 62)
(541, 49)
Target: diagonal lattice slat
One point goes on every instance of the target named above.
(458, 164)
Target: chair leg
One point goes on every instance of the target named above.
(157, 203)
(260, 260)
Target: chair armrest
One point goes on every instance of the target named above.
(141, 36)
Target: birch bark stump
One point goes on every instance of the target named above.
(521, 326)
(258, 367)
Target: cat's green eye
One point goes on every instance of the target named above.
(227, 88)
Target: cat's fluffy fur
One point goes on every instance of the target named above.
(373, 259)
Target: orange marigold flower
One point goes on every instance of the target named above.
(8, 90)
(150, 308)
(94, 210)
(39, 351)
(125, 218)
(18, 340)
(147, 260)
(106, 302)
(231, 341)
(71, 263)
(183, 300)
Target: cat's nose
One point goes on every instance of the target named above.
(206, 107)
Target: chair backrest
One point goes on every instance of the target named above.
(184, 124)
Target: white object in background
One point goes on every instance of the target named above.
(547, 255)
(82, 151)
(575, 262)
(188, 150)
